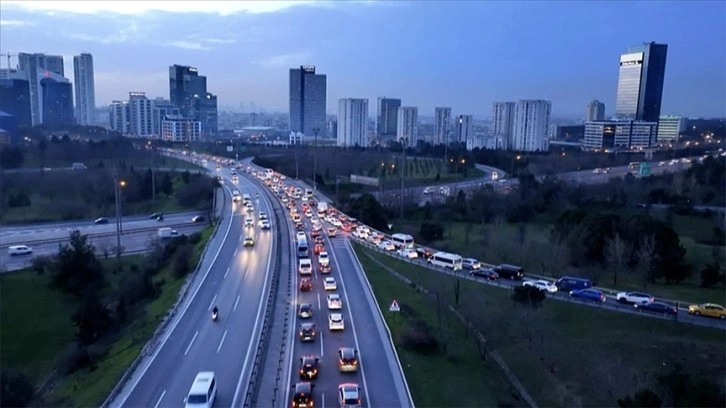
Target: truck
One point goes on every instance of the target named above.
(167, 232)
(322, 208)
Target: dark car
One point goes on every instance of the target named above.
(198, 218)
(299, 226)
(302, 396)
(315, 233)
(307, 332)
(156, 216)
(487, 273)
(102, 220)
(588, 294)
(306, 284)
(424, 253)
(657, 307)
(309, 367)
(305, 311)
(507, 271)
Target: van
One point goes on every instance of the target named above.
(302, 249)
(203, 391)
(507, 271)
(568, 283)
(14, 250)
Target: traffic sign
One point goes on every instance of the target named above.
(394, 306)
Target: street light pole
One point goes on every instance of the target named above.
(119, 226)
(403, 172)
(315, 159)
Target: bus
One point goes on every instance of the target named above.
(446, 260)
(402, 240)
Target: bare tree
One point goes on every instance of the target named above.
(556, 257)
(616, 255)
(645, 256)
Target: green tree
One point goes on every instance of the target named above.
(92, 321)
(16, 389)
(11, 157)
(77, 270)
(166, 186)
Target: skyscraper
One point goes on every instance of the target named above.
(141, 115)
(407, 131)
(387, 116)
(463, 128)
(442, 126)
(595, 111)
(352, 122)
(15, 95)
(531, 122)
(188, 92)
(34, 66)
(85, 89)
(308, 94)
(120, 116)
(57, 99)
(640, 82)
(503, 122)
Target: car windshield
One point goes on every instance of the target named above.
(197, 399)
(351, 401)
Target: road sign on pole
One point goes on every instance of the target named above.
(368, 181)
(394, 306)
(230, 148)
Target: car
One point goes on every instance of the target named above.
(317, 227)
(708, 310)
(262, 215)
(347, 359)
(588, 294)
(249, 241)
(330, 284)
(250, 209)
(305, 310)
(470, 263)
(318, 248)
(300, 235)
(306, 284)
(305, 266)
(319, 240)
(334, 302)
(323, 258)
(198, 219)
(425, 253)
(302, 396)
(407, 253)
(155, 215)
(331, 231)
(386, 246)
(265, 225)
(634, 297)
(325, 269)
(15, 250)
(488, 273)
(307, 332)
(249, 222)
(315, 234)
(541, 284)
(102, 220)
(309, 367)
(657, 307)
(349, 395)
(299, 226)
(335, 322)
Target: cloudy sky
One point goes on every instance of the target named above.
(460, 54)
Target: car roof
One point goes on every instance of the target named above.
(308, 325)
(347, 351)
(334, 295)
(336, 316)
(303, 387)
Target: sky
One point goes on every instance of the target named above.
(464, 54)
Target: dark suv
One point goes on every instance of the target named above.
(513, 272)
(309, 367)
(303, 395)
(307, 332)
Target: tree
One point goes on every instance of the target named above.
(528, 295)
(16, 389)
(167, 185)
(643, 398)
(92, 321)
(77, 270)
(616, 255)
(644, 258)
(556, 256)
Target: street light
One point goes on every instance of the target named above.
(118, 184)
(404, 140)
(315, 158)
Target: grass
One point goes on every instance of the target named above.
(434, 381)
(141, 161)
(570, 355)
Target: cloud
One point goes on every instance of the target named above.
(285, 60)
(16, 23)
(188, 45)
(139, 7)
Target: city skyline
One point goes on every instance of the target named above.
(267, 44)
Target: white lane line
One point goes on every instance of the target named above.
(319, 307)
(247, 271)
(212, 304)
(191, 342)
(235, 251)
(321, 344)
(236, 302)
(158, 402)
(322, 402)
(240, 238)
(226, 273)
(222, 341)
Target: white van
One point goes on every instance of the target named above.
(203, 391)
(305, 266)
(446, 260)
(14, 250)
(402, 241)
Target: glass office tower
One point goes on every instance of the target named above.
(640, 83)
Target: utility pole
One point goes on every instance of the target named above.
(403, 171)
(118, 216)
(315, 159)
(153, 172)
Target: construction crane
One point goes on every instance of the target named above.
(7, 55)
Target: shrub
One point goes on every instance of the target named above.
(416, 335)
(182, 261)
(16, 389)
(195, 238)
(431, 231)
(528, 295)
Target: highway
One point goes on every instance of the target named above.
(236, 279)
(132, 242)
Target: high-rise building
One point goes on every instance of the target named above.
(619, 134)
(407, 122)
(40, 61)
(442, 126)
(85, 89)
(141, 120)
(595, 111)
(463, 128)
(670, 128)
(188, 92)
(120, 117)
(56, 99)
(15, 95)
(352, 122)
(640, 82)
(387, 116)
(503, 122)
(308, 95)
(161, 109)
(177, 128)
(531, 122)
(35, 66)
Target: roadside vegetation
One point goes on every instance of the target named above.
(73, 323)
(63, 194)
(563, 354)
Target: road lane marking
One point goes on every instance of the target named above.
(235, 304)
(322, 403)
(319, 307)
(191, 342)
(212, 304)
(240, 238)
(235, 251)
(226, 273)
(321, 344)
(222, 341)
(158, 402)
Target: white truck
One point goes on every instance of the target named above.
(167, 232)
(322, 208)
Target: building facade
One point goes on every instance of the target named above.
(352, 122)
(141, 119)
(35, 66)
(161, 109)
(442, 126)
(188, 92)
(387, 116)
(85, 89)
(15, 96)
(503, 122)
(308, 95)
(181, 129)
(619, 135)
(595, 111)
(670, 128)
(296, 138)
(640, 82)
(531, 124)
(56, 99)
(120, 116)
(407, 132)
(463, 128)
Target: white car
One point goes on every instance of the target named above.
(263, 215)
(360, 234)
(300, 235)
(330, 284)
(349, 395)
(305, 266)
(407, 253)
(634, 297)
(375, 238)
(265, 225)
(334, 302)
(14, 250)
(323, 258)
(386, 246)
(470, 263)
(317, 226)
(541, 285)
(249, 222)
(335, 322)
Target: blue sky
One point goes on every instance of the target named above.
(461, 54)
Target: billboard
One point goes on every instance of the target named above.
(367, 181)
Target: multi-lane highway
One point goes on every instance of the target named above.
(235, 279)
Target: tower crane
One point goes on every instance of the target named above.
(7, 55)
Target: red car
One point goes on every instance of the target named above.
(306, 284)
(325, 268)
(318, 248)
(346, 227)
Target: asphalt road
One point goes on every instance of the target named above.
(131, 242)
(236, 280)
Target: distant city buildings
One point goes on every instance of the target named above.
(308, 94)
(387, 116)
(619, 134)
(188, 91)
(531, 123)
(442, 126)
(36, 67)
(503, 122)
(352, 122)
(176, 128)
(595, 111)
(85, 89)
(640, 82)
(141, 120)
(463, 128)
(15, 95)
(407, 132)
(670, 128)
(119, 117)
(161, 109)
